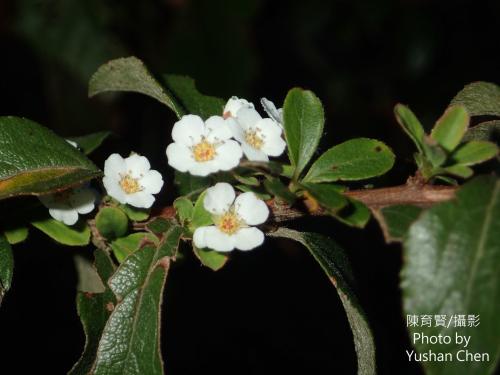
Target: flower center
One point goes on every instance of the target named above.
(204, 151)
(229, 223)
(253, 139)
(129, 184)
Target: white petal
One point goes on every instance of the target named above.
(268, 128)
(228, 155)
(238, 132)
(251, 209)
(253, 154)
(270, 109)
(137, 165)
(234, 104)
(68, 216)
(141, 199)
(188, 130)
(274, 146)
(219, 198)
(248, 117)
(218, 129)
(217, 240)
(113, 189)
(248, 238)
(152, 182)
(179, 156)
(202, 169)
(199, 237)
(114, 165)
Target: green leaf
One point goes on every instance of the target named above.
(135, 213)
(130, 340)
(211, 258)
(124, 246)
(303, 121)
(33, 160)
(479, 98)
(328, 196)
(94, 310)
(355, 214)
(474, 152)
(395, 220)
(192, 101)
(6, 266)
(485, 131)
(188, 184)
(76, 235)
(16, 235)
(410, 124)
(452, 255)
(356, 159)
(184, 208)
(275, 187)
(130, 74)
(458, 170)
(111, 222)
(451, 127)
(159, 225)
(90, 142)
(201, 217)
(333, 260)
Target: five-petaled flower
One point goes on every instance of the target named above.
(233, 219)
(259, 138)
(131, 180)
(234, 104)
(66, 205)
(201, 148)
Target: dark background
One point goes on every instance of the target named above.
(271, 310)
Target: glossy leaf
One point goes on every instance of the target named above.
(485, 131)
(191, 100)
(303, 121)
(130, 74)
(395, 220)
(452, 253)
(6, 266)
(90, 142)
(111, 222)
(211, 258)
(355, 159)
(76, 235)
(16, 235)
(410, 124)
(451, 127)
(333, 261)
(480, 99)
(474, 152)
(130, 340)
(33, 160)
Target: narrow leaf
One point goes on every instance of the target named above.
(474, 152)
(451, 127)
(480, 99)
(458, 170)
(332, 259)
(410, 124)
(452, 255)
(76, 235)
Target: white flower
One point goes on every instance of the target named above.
(259, 138)
(201, 148)
(272, 112)
(131, 180)
(234, 104)
(66, 205)
(233, 220)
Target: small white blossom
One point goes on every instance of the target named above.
(234, 104)
(259, 138)
(201, 148)
(272, 111)
(131, 180)
(66, 205)
(233, 219)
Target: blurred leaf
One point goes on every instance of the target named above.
(184, 208)
(187, 183)
(355, 159)
(247, 180)
(264, 167)
(94, 310)
(485, 131)
(211, 258)
(16, 235)
(88, 278)
(303, 121)
(191, 100)
(124, 246)
(200, 217)
(395, 220)
(452, 255)
(33, 160)
(331, 257)
(474, 152)
(159, 225)
(90, 142)
(135, 213)
(410, 124)
(130, 74)
(458, 170)
(130, 340)
(435, 154)
(259, 192)
(6, 266)
(451, 127)
(111, 222)
(479, 98)
(76, 235)
(275, 187)
(328, 196)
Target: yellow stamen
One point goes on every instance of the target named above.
(204, 151)
(129, 184)
(253, 139)
(229, 223)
